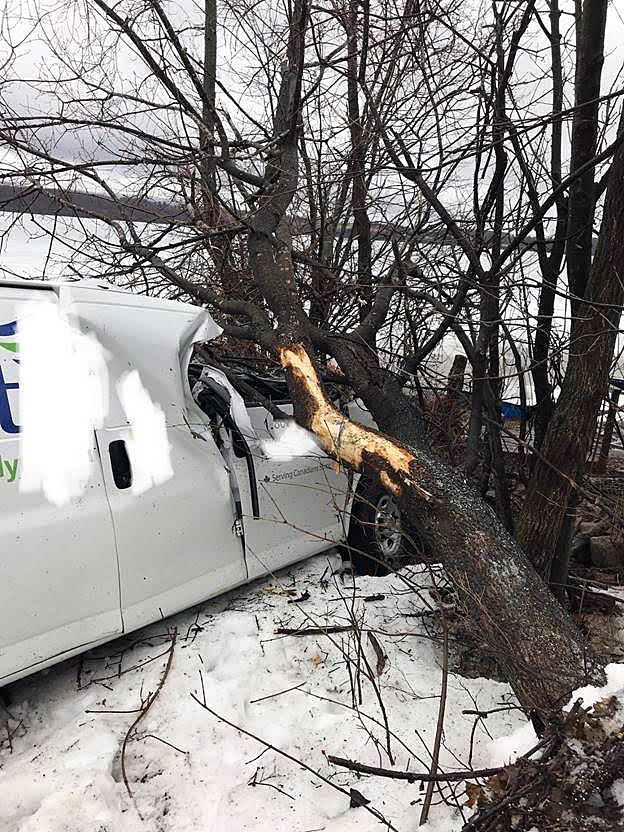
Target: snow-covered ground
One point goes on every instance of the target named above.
(189, 770)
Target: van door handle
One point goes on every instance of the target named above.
(120, 463)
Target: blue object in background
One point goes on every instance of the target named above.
(511, 411)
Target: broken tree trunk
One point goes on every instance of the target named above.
(455, 381)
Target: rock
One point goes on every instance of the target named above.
(593, 528)
(596, 801)
(605, 553)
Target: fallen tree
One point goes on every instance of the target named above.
(509, 609)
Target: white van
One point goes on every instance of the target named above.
(113, 558)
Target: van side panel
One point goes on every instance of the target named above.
(59, 583)
(301, 499)
(176, 541)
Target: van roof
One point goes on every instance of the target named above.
(103, 292)
(33, 283)
(150, 334)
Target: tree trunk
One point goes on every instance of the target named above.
(356, 61)
(550, 264)
(590, 28)
(607, 437)
(455, 380)
(541, 350)
(585, 384)
(590, 32)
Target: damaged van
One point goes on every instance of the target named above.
(187, 478)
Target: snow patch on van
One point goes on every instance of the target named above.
(291, 441)
(148, 446)
(63, 398)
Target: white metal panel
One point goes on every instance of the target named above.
(176, 541)
(302, 503)
(59, 585)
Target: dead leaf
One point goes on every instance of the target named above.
(499, 783)
(357, 799)
(381, 656)
(475, 795)
(606, 707)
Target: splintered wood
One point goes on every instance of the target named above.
(347, 441)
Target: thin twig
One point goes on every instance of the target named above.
(313, 631)
(144, 711)
(494, 810)
(440, 726)
(273, 695)
(164, 742)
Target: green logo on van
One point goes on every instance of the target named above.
(8, 331)
(8, 469)
(10, 386)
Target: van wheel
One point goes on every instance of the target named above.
(376, 533)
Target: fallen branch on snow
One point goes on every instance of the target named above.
(268, 746)
(313, 631)
(150, 701)
(413, 776)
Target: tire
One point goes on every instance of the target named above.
(376, 544)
